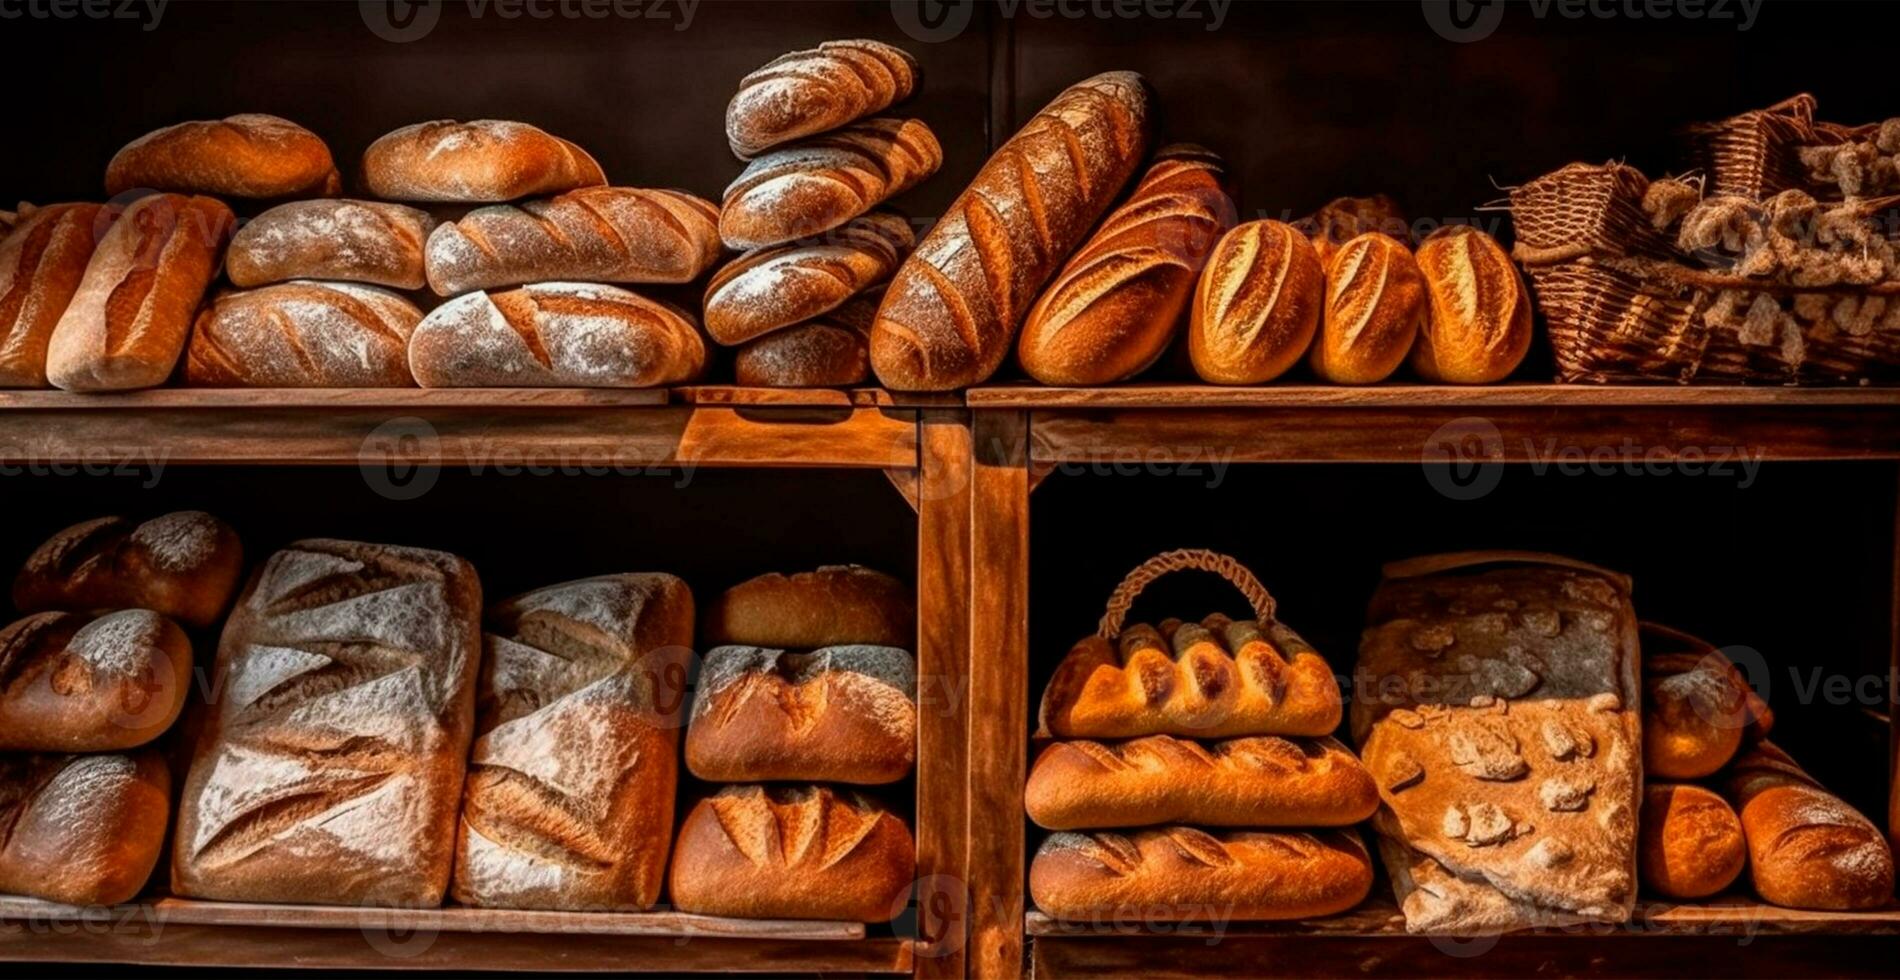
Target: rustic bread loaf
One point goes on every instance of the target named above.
(1257, 305)
(1375, 306)
(951, 313)
(807, 92)
(348, 241)
(1807, 848)
(792, 852)
(1180, 873)
(250, 156)
(569, 798)
(832, 351)
(42, 261)
(808, 188)
(82, 829)
(837, 605)
(556, 334)
(1692, 844)
(1114, 308)
(1345, 218)
(485, 160)
(128, 321)
(1696, 708)
(303, 335)
(840, 714)
(1500, 719)
(69, 684)
(1262, 781)
(1480, 327)
(331, 769)
(183, 565)
(595, 234)
(772, 288)
(1218, 678)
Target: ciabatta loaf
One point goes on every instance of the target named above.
(595, 234)
(349, 241)
(772, 288)
(801, 191)
(73, 684)
(808, 92)
(1169, 874)
(184, 565)
(556, 335)
(303, 335)
(250, 156)
(42, 261)
(843, 714)
(474, 162)
(82, 829)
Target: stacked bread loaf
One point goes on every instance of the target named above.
(807, 693)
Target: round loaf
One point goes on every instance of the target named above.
(831, 352)
(1480, 327)
(1343, 219)
(1375, 305)
(842, 714)
(834, 606)
(812, 186)
(42, 261)
(303, 335)
(249, 156)
(1691, 843)
(69, 685)
(82, 830)
(816, 90)
(771, 288)
(349, 241)
(183, 565)
(595, 234)
(1257, 306)
(486, 160)
(1807, 848)
(1181, 873)
(555, 334)
(1695, 710)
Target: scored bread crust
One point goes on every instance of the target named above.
(832, 606)
(1480, 327)
(1183, 873)
(303, 335)
(251, 155)
(1343, 219)
(71, 683)
(1691, 843)
(840, 714)
(1257, 306)
(372, 242)
(1375, 306)
(183, 565)
(773, 288)
(82, 830)
(832, 351)
(594, 234)
(803, 190)
(1807, 848)
(556, 334)
(42, 261)
(483, 160)
(819, 89)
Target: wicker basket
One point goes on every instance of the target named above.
(1756, 155)
(1180, 560)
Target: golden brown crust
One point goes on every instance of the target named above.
(835, 605)
(1807, 848)
(594, 234)
(1343, 219)
(42, 260)
(1695, 713)
(303, 335)
(840, 714)
(1691, 843)
(801, 191)
(349, 241)
(484, 160)
(1180, 873)
(773, 288)
(807, 92)
(556, 334)
(1375, 306)
(250, 156)
(70, 684)
(183, 565)
(829, 352)
(83, 830)
(1480, 327)
(1257, 305)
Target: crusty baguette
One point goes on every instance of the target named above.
(351, 241)
(1375, 306)
(1257, 306)
(951, 313)
(812, 186)
(129, 319)
(249, 156)
(555, 334)
(1480, 327)
(1181, 873)
(82, 829)
(42, 261)
(485, 160)
(1262, 781)
(73, 684)
(1807, 848)
(812, 91)
(832, 351)
(303, 335)
(183, 565)
(837, 604)
(768, 289)
(840, 714)
(1691, 843)
(595, 234)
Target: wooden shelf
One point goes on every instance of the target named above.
(1425, 396)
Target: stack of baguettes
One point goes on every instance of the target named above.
(807, 693)
(798, 303)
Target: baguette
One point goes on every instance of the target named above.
(830, 352)
(1375, 306)
(1807, 848)
(42, 261)
(486, 160)
(771, 288)
(810, 187)
(595, 234)
(1172, 874)
(951, 313)
(1691, 841)
(842, 714)
(1257, 305)
(1480, 327)
(555, 334)
(303, 335)
(836, 605)
(351, 241)
(69, 684)
(82, 830)
(183, 566)
(248, 156)
(808, 92)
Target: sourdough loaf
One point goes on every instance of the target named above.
(833, 606)
(1375, 305)
(1692, 844)
(473, 162)
(840, 714)
(832, 351)
(1480, 327)
(1168, 874)
(803, 190)
(183, 565)
(73, 684)
(1807, 848)
(82, 829)
(1257, 306)
(250, 156)
(555, 334)
(772, 288)
(42, 261)
(595, 234)
(807, 92)
(303, 335)
(350, 241)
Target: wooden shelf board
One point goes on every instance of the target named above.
(1425, 396)
(324, 398)
(813, 397)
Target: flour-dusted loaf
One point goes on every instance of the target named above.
(595, 234)
(792, 852)
(556, 334)
(1114, 308)
(816, 90)
(1697, 710)
(70, 683)
(772, 288)
(250, 156)
(183, 565)
(485, 160)
(1257, 306)
(1375, 305)
(1807, 848)
(1258, 781)
(1499, 714)
(1692, 843)
(1176, 873)
(832, 351)
(303, 335)
(128, 321)
(1345, 218)
(951, 313)
(1480, 327)
(833, 606)
(801, 191)
(841, 714)
(329, 770)
(42, 260)
(569, 798)
(339, 240)
(82, 829)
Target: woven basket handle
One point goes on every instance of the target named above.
(1184, 559)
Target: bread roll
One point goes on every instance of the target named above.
(830, 352)
(1692, 844)
(82, 829)
(303, 335)
(812, 186)
(351, 241)
(1696, 708)
(72, 685)
(951, 313)
(771, 288)
(1114, 308)
(792, 852)
(807, 92)
(1257, 305)
(569, 798)
(1375, 305)
(330, 769)
(1168, 874)
(473, 162)
(183, 565)
(129, 319)
(837, 605)
(1807, 849)
(595, 234)
(555, 334)
(841, 714)
(1480, 327)
(42, 261)
(1345, 218)
(1263, 781)
(251, 156)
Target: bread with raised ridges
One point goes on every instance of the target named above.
(772, 288)
(485, 160)
(183, 565)
(1480, 327)
(805, 189)
(556, 334)
(250, 156)
(1182, 873)
(1375, 306)
(816, 90)
(1257, 306)
(595, 234)
(303, 335)
(338, 240)
(839, 714)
